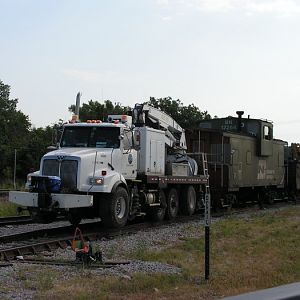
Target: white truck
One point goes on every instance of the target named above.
(129, 166)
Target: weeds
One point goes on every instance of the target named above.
(9, 209)
(35, 278)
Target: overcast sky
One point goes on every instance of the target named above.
(221, 55)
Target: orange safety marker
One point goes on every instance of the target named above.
(78, 244)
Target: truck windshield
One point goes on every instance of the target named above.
(94, 137)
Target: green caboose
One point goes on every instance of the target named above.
(245, 162)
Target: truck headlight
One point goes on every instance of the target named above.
(97, 181)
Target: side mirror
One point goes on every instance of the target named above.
(136, 138)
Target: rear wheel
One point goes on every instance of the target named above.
(172, 204)
(114, 208)
(157, 213)
(270, 197)
(188, 200)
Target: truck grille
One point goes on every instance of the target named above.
(67, 174)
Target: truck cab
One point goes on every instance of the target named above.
(89, 156)
(92, 159)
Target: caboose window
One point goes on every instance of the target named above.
(267, 133)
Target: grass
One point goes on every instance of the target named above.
(36, 278)
(8, 209)
(258, 252)
(9, 184)
(140, 286)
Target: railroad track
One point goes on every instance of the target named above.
(21, 220)
(61, 237)
(91, 232)
(15, 220)
(53, 232)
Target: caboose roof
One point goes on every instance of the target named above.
(246, 126)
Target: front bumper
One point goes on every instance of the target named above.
(63, 201)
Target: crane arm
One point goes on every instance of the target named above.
(155, 118)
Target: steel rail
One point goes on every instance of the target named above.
(59, 231)
(15, 220)
(22, 220)
(33, 249)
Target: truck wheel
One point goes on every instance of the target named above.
(188, 204)
(114, 211)
(172, 204)
(157, 213)
(270, 197)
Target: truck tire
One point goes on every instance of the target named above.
(114, 209)
(172, 204)
(270, 197)
(157, 213)
(189, 199)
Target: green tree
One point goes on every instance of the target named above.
(17, 136)
(94, 110)
(13, 133)
(186, 116)
(29, 156)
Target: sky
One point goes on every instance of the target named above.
(220, 55)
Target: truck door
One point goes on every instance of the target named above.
(129, 157)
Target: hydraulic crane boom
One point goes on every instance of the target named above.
(144, 114)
